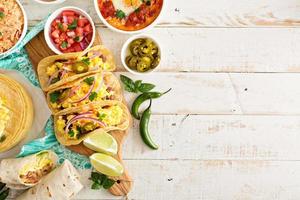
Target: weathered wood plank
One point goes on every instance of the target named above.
(209, 180)
(220, 93)
(205, 13)
(218, 137)
(220, 49)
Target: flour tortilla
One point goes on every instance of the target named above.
(21, 112)
(124, 124)
(109, 80)
(61, 184)
(42, 66)
(10, 174)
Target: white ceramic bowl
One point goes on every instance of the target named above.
(54, 15)
(50, 2)
(125, 51)
(128, 32)
(25, 27)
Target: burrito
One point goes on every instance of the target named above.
(16, 113)
(72, 127)
(21, 173)
(61, 184)
(57, 70)
(96, 87)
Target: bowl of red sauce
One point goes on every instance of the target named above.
(129, 16)
(69, 29)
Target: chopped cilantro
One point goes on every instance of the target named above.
(64, 44)
(86, 61)
(137, 10)
(120, 14)
(54, 96)
(77, 38)
(93, 96)
(54, 80)
(73, 25)
(71, 133)
(101, 116)
(2, 15)
(89, 80)
(101, 180)
(60, 26)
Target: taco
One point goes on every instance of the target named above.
(92, 88)
(72, 127)
(16, 113)
(21, 173)
(55, 71)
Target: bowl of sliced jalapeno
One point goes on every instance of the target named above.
(141, 54)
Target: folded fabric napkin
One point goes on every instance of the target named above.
(19, 60)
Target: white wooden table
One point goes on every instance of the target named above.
(230, 128)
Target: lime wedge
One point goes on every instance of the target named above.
(102, 142)
(106, 164)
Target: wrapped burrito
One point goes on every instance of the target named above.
(73, 126)
(96, 87)
(21, 173)
(55, 71)
(61, 184)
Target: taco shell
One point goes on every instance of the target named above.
(60, 131)
(44, 78)
(108, 80)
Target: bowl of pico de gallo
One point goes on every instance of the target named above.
(69, 29)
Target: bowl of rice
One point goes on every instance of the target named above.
(13, 26)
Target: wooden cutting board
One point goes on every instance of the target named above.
(38, 49)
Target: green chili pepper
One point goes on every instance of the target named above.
(144, 128)
(4, 194)
(141, 99)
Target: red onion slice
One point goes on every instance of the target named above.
(52, 77)
(87, 94)
(87, 118)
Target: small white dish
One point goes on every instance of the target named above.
(25, 27)
(128, 32)
(54, 15)
(125, 52)
(49, 2)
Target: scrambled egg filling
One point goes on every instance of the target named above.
(32, 172)
(92, 63)
(111, 116)
(4, 117)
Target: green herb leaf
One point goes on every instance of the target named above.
(138, 83)
(137, 10)
(96, 186)
(120, 14)
(146, 87)
(101, 116)
(108, 183)
(77, 38)
(54, 80)
(60, 26)
(54, 96)
(73, 25)
(89, 80)
(129, 85)
(1, 34)
(2, 15)
(64, 44)
(95, 176)
(86, 61)
(93, 96)
(71, 133)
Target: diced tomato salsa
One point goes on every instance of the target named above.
(71, 32)
(140, 18)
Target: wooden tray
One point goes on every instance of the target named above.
(38, 49)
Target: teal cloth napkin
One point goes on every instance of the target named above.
(19, 60)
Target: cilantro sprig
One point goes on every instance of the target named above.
(135, 86)
(100, 180)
